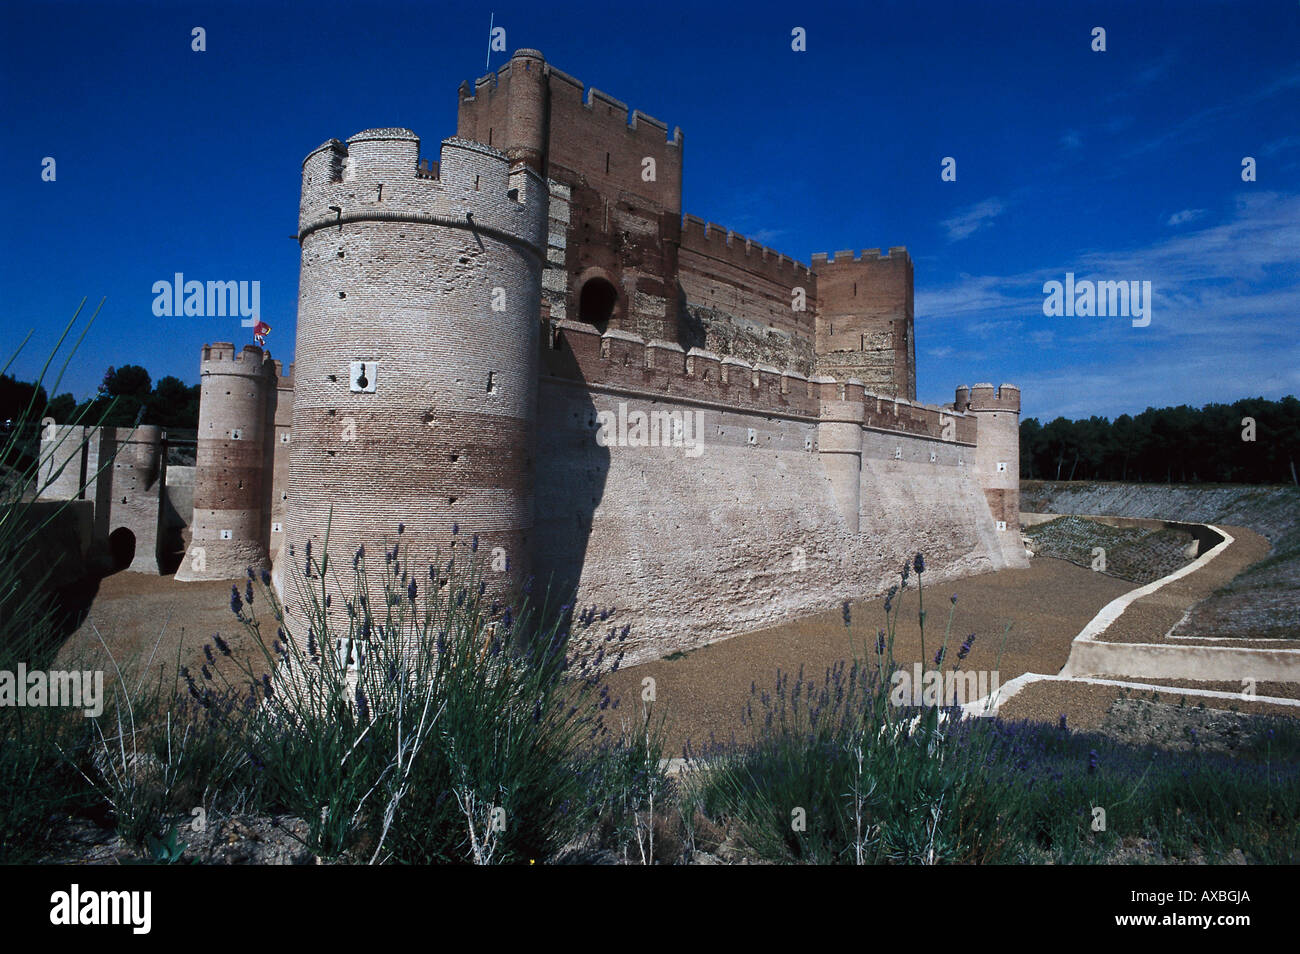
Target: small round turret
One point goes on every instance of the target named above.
(230, 480)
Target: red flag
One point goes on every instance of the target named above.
(260, 331)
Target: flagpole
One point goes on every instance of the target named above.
(491, 26)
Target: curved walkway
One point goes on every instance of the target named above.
(1129, 639)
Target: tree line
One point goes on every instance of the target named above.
(126, 396)
(1251, 441)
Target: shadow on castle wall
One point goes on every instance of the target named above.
(571, 474)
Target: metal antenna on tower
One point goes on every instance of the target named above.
(492, 21)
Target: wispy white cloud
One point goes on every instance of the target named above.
(972, 218)
(1185, 216)
(1224, 320)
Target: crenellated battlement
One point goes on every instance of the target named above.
(220, 358)
(617, 359)
(624, 361)
(847, 256)
(379, 175)
(712, 239)
(283, 378)
(985, 397)
(598, 104)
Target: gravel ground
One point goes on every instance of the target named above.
(704, 691)
(1047, 605)
(153, 622)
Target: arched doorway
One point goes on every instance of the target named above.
(596, 302)
(121, 548)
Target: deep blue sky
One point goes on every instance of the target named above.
(1117, 165)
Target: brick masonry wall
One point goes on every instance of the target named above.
(228, 530)
(865, 319)
(406, 285)
(692, 550)
(695, 548)
(721, 270)
(997, 412)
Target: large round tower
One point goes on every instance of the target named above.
(415, 373)
(229, 527)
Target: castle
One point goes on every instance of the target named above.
(523, 338)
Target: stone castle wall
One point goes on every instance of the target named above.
(692, 547)
(469, 326)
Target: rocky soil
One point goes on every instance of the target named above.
(1263, 601)
(1135, 554)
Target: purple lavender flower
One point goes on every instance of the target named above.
(907, 571)
(236, 604)
(207, 651)
(954, 599)
(964, 651)
(411, 590)
(248, 592)
(918, 564)
(401, 528)
(938, 656)
(455, 529)
(848, 616)
(266, 685)
(204, 670)
(222, 645)
(266, 577)
(1061, 723)
(1092, 761)
(474, 544)
(358, 557)
(880, 642)
(363, 705)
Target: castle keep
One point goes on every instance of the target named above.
(471, 321)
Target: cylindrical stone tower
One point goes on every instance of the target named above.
(997, 458)
(526, 119)
(62, 472)
(415, 374)
(229, 530)
(839, 443)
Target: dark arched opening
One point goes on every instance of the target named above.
(121, 548)
(596, 302)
